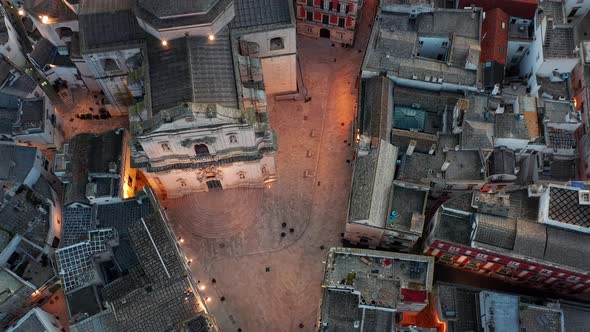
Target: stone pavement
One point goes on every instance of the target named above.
(257, 279)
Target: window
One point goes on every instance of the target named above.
(482, 257)
(182, 182)
(166, 147)
(545, 272)
(276, 44)
(443, 43)
(310, 3)
(454, 249)
(201, 149)
(233, 139)
(520, 49)
(514, 60)
(501, 49)
(242, 175)
(503, 25)
(513, 264)
(512, 21)
(309, 30)
(309, 16)
(327, 4)
(341, 22)
(325, 19)
(344, 8)
(264, 171)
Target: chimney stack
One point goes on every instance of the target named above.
(411, 147)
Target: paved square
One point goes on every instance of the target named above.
(258, 253)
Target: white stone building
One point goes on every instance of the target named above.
(203, 122)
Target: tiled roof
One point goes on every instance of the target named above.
(27, 214)
(169, 14)
(156, 295)
(56, 10)
(561, 138)
(108, 26)
(192, 69)
(494, 44)
(7, 119)
(252, 13)
(509, 125)
(32, 114)
(559, 42)
(495, 231)
(568, 248)
(90, 153)
(177, 7)
(41, 54)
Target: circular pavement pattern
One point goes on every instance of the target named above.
(216, 214)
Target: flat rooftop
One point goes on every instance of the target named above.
(406, 202)
(381, 279)
(395, 39)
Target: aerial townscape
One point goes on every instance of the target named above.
(294, 165)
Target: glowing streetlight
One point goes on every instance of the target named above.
(164, 43)
(21, 12)
(44, 19)
(202, 287)
(211, 37)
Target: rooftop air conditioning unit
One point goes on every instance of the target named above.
(584, 197)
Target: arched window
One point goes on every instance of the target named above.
(233, 139)
(201, 149)
(165, 147)
(277, 44)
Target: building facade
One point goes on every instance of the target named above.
(208, 127)
(523, 238)
(333, 19)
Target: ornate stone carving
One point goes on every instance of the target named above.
(208, 173)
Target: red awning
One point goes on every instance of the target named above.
(411, 295)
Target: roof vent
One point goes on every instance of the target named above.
(536, 190)
(584, 197)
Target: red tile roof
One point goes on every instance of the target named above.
(517, 8)
(494, 41)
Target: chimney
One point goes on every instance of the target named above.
(445, 166)
(432, 149)
(411, 147)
